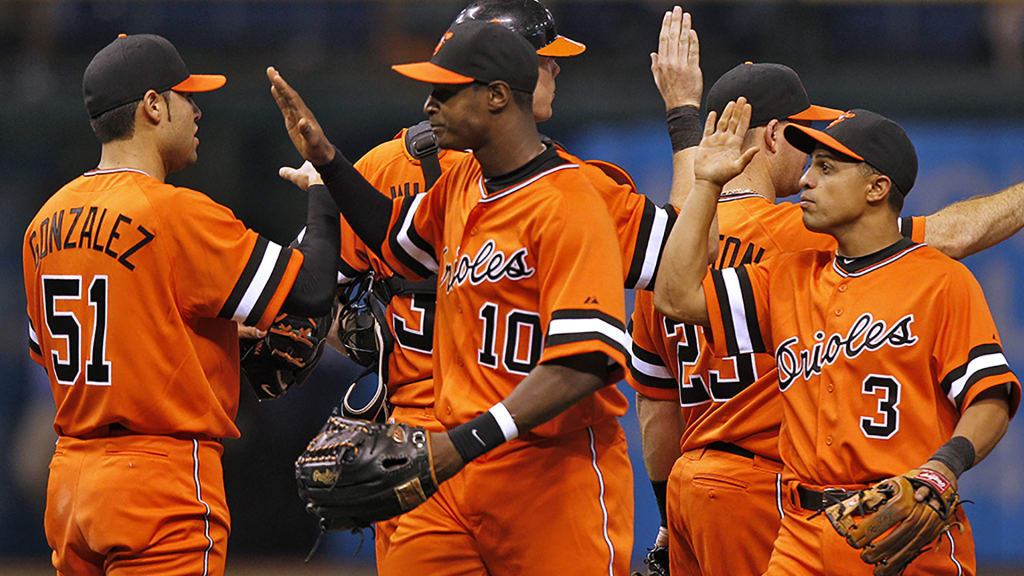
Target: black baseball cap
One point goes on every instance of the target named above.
(478, 51)
(126, 68)
(865, 136)
(774, 91)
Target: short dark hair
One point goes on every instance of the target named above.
(119, 123)
(523, 99)
(116, 124)
(895, 198)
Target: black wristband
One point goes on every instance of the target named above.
(661, 495)
(483, 433)
(958, 455)
(684, 127)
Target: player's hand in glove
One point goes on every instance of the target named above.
(284, 355)
(355, 473)
(657, 556)
(896, 519)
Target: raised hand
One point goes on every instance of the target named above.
(304, 176)
(306, 134)
(676, 64)
(720, 156)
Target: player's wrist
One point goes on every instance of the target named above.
(684, 126)
(484, 433)
(954, 457)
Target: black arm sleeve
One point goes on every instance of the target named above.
(313, 291)
(366, 209)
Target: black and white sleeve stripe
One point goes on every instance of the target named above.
(655, 225)
(33, 339)
(573, 325)
(983, 361)
(407, 245)
(648, 369)
(739, 311)
(346, 273)
(258, 282)
(906, 226)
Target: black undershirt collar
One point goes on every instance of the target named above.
(546, 160)
(854, 265)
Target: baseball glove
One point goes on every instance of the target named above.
(355, 473)
(656, 562)
(285, 356)
(895, 528)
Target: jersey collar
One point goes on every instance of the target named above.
(852, 267)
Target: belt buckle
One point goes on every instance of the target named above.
(830, 496)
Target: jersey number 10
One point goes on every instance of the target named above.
(65, 326)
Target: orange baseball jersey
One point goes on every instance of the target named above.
(133, 287)
(522, 279)
(877, 356)
(395, 173)
(729, 399)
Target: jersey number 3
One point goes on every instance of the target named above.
(66, 326)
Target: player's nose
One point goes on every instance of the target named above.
(431, 106)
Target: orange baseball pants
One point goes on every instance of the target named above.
(137, 504)
(414, 416)
(807, 546)
(724, 513)
(553, 506)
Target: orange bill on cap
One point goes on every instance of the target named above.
(200, 83)
(826, 140)
(430, 72)
(562, 47)
(814, 113)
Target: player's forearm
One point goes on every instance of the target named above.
(682, 176)
(661, 426)
(553, 387)
(970, 226)
(678, 292)
(313, 291)
(984, 422)
(366, 209)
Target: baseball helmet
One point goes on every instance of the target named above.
(530, 19)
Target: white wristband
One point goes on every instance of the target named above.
(505, 421)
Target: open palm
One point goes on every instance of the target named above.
(720, 156)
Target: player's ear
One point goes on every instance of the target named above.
(879, 186)
(153, 107)
(499, 96)
(772, 135)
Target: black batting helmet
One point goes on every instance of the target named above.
(530, 19)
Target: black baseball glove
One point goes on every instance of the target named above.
(286, 355)
(656, 562)
(355, 473)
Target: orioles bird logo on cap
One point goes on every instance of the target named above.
(842, 117)
(441, 42)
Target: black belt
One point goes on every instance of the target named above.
(818, 501)
(731, 449)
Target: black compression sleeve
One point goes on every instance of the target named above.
(661, 496)
(366, 209)
(313, 291)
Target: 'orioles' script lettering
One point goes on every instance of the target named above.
(489, 265)
(866, 333)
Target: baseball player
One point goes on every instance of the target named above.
(730, 410)
(403, 166)
(518, 238)
(871, 386)
(133, 290)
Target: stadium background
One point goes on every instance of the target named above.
(951, 72)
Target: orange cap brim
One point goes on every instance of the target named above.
(430, 72)
(562, 47)
(200, 83)
(826, 140)
(817, 113)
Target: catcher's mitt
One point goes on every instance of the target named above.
(895, 528)
(355, 473)
(285, 355)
